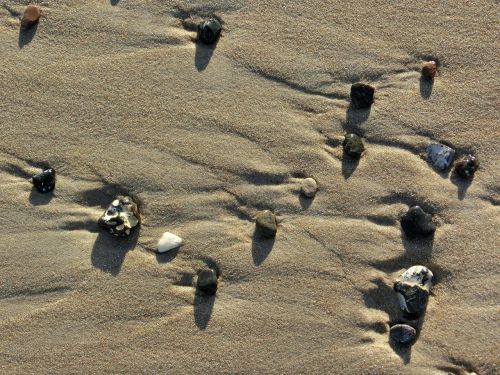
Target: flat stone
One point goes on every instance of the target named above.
(209, 31)
(466, 166)
(353, 145)
(31, 16)
(413, 288)
(416, 222)
(402, 334)
(267, 224)
(429, 70)
(121, 216)
(441, 156)
(45, 181)
(362, 95)
(168, 241)
(207, 281)
(309, 187)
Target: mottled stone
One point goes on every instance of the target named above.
(416, 222)
(209, 31)
(267, 224)
(362, 95)
(46, 181)
(413, 288)
(441, 156)
(120, 217)
(353, 145)
(31, 16)
(309, 187)
(207, 281)
(429, 70)
(466, 166)
(168, 241)
(402, 334)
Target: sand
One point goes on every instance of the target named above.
(117, 97)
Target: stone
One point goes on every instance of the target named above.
(413, 287)
(121, 216)
(168, 241)
(429, 70)
(207, 281)
(267, 224)
(45, 181)
(466, 166)
(362, 95)
(353, 145)
(416, 222)
(209, 31)
(441, 156)
(402, 334)
(31, 16)
(309, 187)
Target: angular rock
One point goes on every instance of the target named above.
(31, 16)
(416, 222)
(413, 287)
(309, 187)
(429, 70)
(209, 31)
(168, 241)
(402, 334)
(466, 166)
(441, 156)
(353, 145)
(362, 95)
(46, 181)
(267, 224)
(207, 281)
(121, 216)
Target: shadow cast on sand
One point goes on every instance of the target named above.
(305, 202)
(349, 165)
(114, 2)
(426, 87)
(39, 199)
(203, 55)
(168, 256)
(354, 118)
(26, 35)
(261, 247)
(203, 306)
(461, 184)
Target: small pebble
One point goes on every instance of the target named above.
(45, 181)
(309, 187)
(362, 95)
(429, 70)
(441, 156)
(31, 16)
(267, 224)
(168, 241)
(209, 31)
(416, 222)
(466, 166)
(207, 281)
(121, 216)
(353, 145)
(402, 334)
(413, 287)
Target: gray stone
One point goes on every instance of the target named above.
(309, 187)
(440, 156)
(267, 224)
(402, 334)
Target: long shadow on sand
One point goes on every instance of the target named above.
(108, 252)
(461, 184)
(426, 87)
(349, 165)
(261, 247)
(39, 199)
(168, 256)
(202, 309)
(354, 118)
(26, 35)
(305, 202)
(203, 55)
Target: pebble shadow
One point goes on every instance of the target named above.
(39, 199)
(203, 306)
(349, 165)
(114, 2)
(168, 256)
(461, 184)
(426, 87)
(305, 202)
(355, 117)
(26, 35)
(203, 55)
(261, 247)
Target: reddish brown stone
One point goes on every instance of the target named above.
(429, 70)
(31, 16)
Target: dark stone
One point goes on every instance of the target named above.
(429, 70)
(467, 166)
(353, 145)
(267, 224)
(402, 334)
(209, 31)
(362, 95)
(207, 281)
(416, 222)
(45, 181)
(121, 216)
(415, 297)
(31, 16)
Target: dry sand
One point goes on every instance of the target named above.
(117, 97)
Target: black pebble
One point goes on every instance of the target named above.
(467, 166)
(353, 145)
(362, 95)
(209, 31)
(417, 222)
(402, 334)
(207, 281)
(415, 296)
(46, 181)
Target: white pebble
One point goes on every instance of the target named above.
(168, 241)
(309, 187)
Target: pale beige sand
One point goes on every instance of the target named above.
(117, 97)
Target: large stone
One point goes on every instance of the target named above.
(402, 334)
(429, 70)
(309, 187)
(120, 217)
(362, 95)
(209, 31)
(31, 16)
(413, 288)
(353, 145)
(266, 224)
(45, 181)
(168, 241)
(207, 281)
(466, 166)
(416, 222)
(441, 156)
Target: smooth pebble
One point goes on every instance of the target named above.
(168, 241)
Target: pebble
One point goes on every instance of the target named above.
(309, 187)
(31, 16)
(46, 181)
(362, 95)
(207, 281)
(402, 334)
(120, 217)
(429, 70)
(466, 166)
(413, 287)
(353, 145)
(267, 224)
(441, 156)
(416, 222)
(209, 31)
(168, 241)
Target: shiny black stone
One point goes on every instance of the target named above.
(416, 222)
(46, 181)
(353, 145)
(402, 334)
(209, 31)
(207, 281)
(362, 95)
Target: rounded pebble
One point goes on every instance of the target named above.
(267, 224)
(168, 241)
(353, 145)
(466, 166)
(46, 181)
(309, 187)
(402, 334)
(31, 16)
(416, 222)
(413, 287)
(441, 156)
(207, 281)
(429, 70)
(362, 95)
(209, 31)
(121, 216)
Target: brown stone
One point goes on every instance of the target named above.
(429, 70)
(31, 16)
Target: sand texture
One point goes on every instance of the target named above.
(119, 99)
